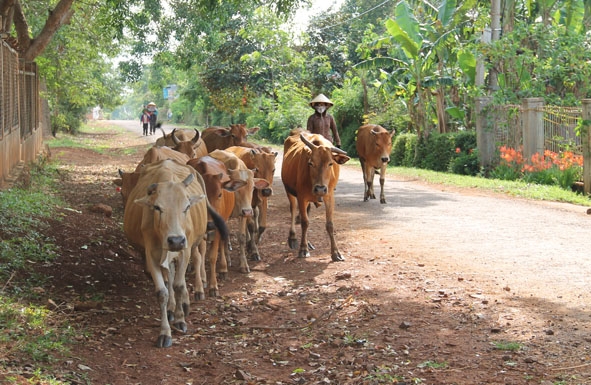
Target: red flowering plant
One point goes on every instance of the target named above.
(551, 168)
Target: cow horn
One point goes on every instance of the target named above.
(196, 137)
(188, 179)
(307, 142)
(338, 150)
(163, 133)
(120, 172)
(175, 140)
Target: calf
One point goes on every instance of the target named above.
(374, 145)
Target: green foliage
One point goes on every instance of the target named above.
(291, 111)
(507, 345)
(439, 150)
(399, 149)
(465, 164)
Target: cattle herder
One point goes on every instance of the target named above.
(321, 122)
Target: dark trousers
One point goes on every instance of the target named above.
(145, 125)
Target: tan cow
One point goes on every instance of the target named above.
(374, 145)
(166, 220)
(220, 138)
(310, 172)
(263, 165)
(242, 198)
(220, 187)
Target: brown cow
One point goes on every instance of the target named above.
(167, 221)
(310, 172)
(263, 165)
(220, 138)
(220, 188)
(128, 180)
(242, 197)
(179, 136)
(374, 145)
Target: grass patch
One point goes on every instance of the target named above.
(513, 188)
(99, 138)
(28, 332)
(507, 346)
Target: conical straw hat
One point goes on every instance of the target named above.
(320, 98)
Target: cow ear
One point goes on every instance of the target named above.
(222, 132)
(275, 153)
(253, 130)
(118, 182)
(260, 183)
(234, 185)
(196, 199)
(340, 158)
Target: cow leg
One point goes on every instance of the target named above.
(371, 172)
(293, 206)
(261, 214)
(335, 254)
(242, 241)
(181, 293)
(165, 338)
(365, 185)
(224, 261)
(212, 256)
(198, 257)
(304, 223)
(251, 236)
(169, 274)
(382, 180)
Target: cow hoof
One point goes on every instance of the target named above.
(337, 257)
(199, 296)
(245, 270)
(293, 243)
(222, 275)
(365, 199)
(372, 196)
(255, 257)
(382, 201)
(164, 341)
(304, 254)
(170, 315)
(181, 326)
(213, 292)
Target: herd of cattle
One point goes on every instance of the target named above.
(189, 184)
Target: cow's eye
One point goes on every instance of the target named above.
(310, 164)
(330, 164)
(186, 209)
(157, 208)
(220, 195)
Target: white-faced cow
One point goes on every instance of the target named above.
(220, 138)
(166, 220)
(310, 172)
(263, 165)
(242, 197)
(374, 145)
(220, 187)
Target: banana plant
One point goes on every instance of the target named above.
(424, 57)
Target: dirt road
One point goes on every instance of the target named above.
(437, 275)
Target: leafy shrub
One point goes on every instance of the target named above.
(398, 149)
(438, 152)
(465, 164)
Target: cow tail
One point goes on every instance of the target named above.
(219, 223)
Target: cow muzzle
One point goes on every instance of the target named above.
(176, 243)
(385, 159)
(320, 190)
(266, 192)
(247, 212)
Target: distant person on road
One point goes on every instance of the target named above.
(321, 122)
(153, 117)
(145, 120)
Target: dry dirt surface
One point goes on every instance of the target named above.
(439, 286)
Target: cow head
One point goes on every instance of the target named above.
(321, 160)
(169, 204)
(186, 147)
(126, 183)
(383, 142)
(264, 167)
